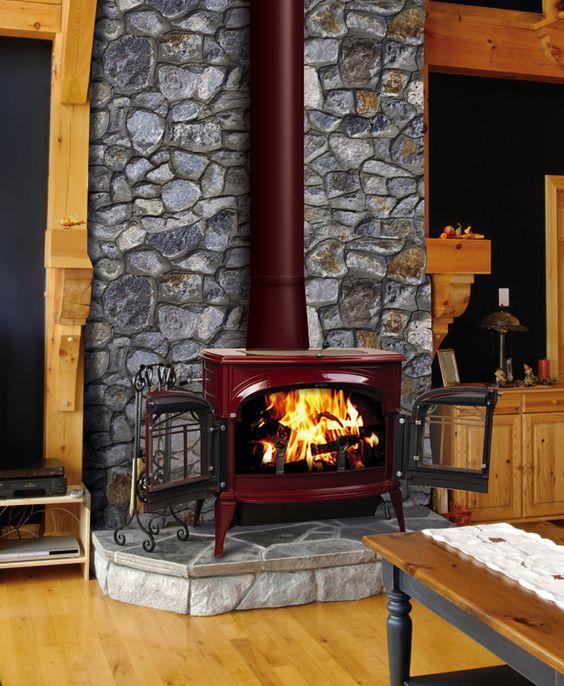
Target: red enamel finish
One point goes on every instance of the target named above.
(231, 377)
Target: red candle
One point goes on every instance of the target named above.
(544, 369)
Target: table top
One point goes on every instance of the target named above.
(534, 624)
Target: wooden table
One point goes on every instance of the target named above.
(519, 627)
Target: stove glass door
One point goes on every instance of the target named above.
(446, 442)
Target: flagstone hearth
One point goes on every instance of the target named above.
(272, 565)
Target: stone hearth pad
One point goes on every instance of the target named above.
(272, 565)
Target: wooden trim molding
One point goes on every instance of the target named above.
(70, 26)
(554, 195)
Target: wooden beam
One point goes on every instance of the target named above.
(29, 19)
(486, 41)
(78, 35)
(69, 274)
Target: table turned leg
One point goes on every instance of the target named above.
(399, 637)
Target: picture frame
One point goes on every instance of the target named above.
(448, 366)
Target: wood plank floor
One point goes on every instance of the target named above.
(57, 630)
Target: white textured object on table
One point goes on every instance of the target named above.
(536, 563)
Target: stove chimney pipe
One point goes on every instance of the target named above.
(277, 308)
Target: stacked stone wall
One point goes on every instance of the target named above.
(169, 200)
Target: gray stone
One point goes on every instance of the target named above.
(237, 18)
(351, 582)
(360, 62)
(97, 419)
(95, 365)
(202, 22)
(131, 237)
(120, 432)
(315, 554)
(213, 180)
(388, 171)
(367, 24)
(180, 287)
(315, 196)
(152, 341)
(116, 157)
(129, 63)
(147, 589)
(108, 269)
(401, 187)
(360, 302)
(101, 566)
(373, 185)
(355, 127)
(98, 124)
(179, 83)
(200, 137)
(136, 169)
(180, 47)
(384, 7)
(330, 77)
(161, 174)
(216, 595)
(97, 334)
(177, 323)
(100, 94)
(220, 227)
(313, 95)
(185, 351)
(280, 589)
(180, 195)
(236, 181)
(339, 102)
(146, 23)
(99, 178)
(117, 397)
(399, 56)
(236, 44)
(201, 262)
(419, 331)
(322, 291)
(419, 366)
(380, 206)
(325, 163)
(113, 215)
(235, 282)
(393, 322)
(314, 145)
(339, 183)
(326, 20)
(320, 51)
(351, 152)
(146, 131)
(324, 122)
(173, 8)
(383, 127)
(148, 191)
(147, 262)
(173, 244)
(148, 207)
(108, 29)
(366, 264)
(129, 303)
(187, 110)
(188, 165)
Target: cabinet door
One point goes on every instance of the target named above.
(543, 462)
(503, 499)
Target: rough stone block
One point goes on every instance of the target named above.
(280, 589)
(349, 583)
(147, 589)
(216, 595)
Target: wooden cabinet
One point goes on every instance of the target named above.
(527, 458)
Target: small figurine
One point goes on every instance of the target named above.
(530, 378)
(500, 378)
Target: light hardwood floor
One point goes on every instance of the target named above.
(57, 630)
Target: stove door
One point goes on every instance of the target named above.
(446, 442)
(182, 449)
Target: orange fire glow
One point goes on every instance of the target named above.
(311, 421)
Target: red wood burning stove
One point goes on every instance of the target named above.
(280, 423)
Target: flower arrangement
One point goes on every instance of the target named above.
(459, 232)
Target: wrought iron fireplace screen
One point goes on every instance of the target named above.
(310, 430)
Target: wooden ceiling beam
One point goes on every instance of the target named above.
(491, 42)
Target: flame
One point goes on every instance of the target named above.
(310, 423)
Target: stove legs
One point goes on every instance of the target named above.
(397, 502)
(224, 512)
(197, 512)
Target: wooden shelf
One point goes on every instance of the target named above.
(83, 534)
(453, 256)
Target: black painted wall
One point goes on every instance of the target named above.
(491, 142)
(25, 72)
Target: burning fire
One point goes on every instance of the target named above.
(315, 425)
